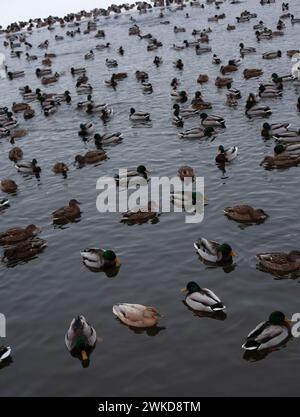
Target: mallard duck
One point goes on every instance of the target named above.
(216, 60)
(280, 161)
(271, 55)
(28, 167)
(18, 107)
(4, 132)
(81, 338)
(202, 49)
(226, 155)
(18, 234)
(269, 92)
(15, 154)
(202, 299)
(177, 119)
(257, 111)
(198, 133)
(84, 88)
(246, 50)
(91, 157)
(138, 116)
(252, 73)
(102, 46)
(270, 130)
(290, 136)
(185, 171)
(292, 149)
(8, 186)
(245, 213)
(94, 108)
(89, 55)
(222, 82)
(5, 352)
(213, 251)
(141, 75)
(68, 213)
(132, 176)
(107, 138)
(291, 52)
(179, 95)
(177, 47)
(25, 250)
(230, 27)
(111, 63)
(60, 168)
(29, 114)
(203, 78)
(147, 87)
(186, 112)
(225, 69)
(50, 109)
(233, 91)
(212, 121)
(86, 129)
(4, 204)
(101, 259)
(139, 215)
(280, 261)
(136, 315)
(269, 334)
(76, 71)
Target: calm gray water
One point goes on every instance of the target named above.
(189, 355)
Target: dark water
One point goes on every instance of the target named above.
(190, 355)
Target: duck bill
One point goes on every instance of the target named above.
(117, 262)
(232, 254)
(84, 355)
(183, 289)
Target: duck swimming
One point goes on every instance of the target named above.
(15, 154)
(18, 234)
(214, 252)
(28, 167)
(279, 261)
(202, 299)
(91, 157)
(226, 155)
(68, 213)
(80, 339)
(245, 213)
(212, 121)
(100, 259)
(61, 168)
(136, 315)
(269, 334)
(132, 176)
(138, 116)
(24, 251)
(270, 130)
(8, 186)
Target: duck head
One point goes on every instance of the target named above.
(110, 259)
(191, 287)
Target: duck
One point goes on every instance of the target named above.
(294, 19)
(4, 204)
(4, 132)
(252, 73)
(28, 167)
(8, 186)
(18, 234)
(86, 129)
(179, 64)
(226, 155)
(68, 213)
(89, 55)
(269, 92)
(222, 81)
(84, 88)
(101, 259)
(180, 96)
(141, 75)
(60, 168)
(94, 108)
(138, 116)
(280, 261)
(101, 47)
(246, 50)
(233, 91)
(202, 49)
(136, 315)
(91, 157)
(177, 47)
(18, 134)
(5, 353)
(257, 111)
(271, 55)
(269, 334)
(270, 130)
(198, 133)
(29, 114)
(139, 215)
(202, 78)
(18, 107)
(216, 60)
(23, 251)
(291, 52)
(212, 121)
(245, 213)
(132, 176)
(185, 171)
(147, 87)
(228, 69)
(230, 27)
(111, 63)
(177, 119)
(186, 112)
(15, 154)
(289, 149)
(81, 338)
(282, 79)
(76, 71)
(280, 161)
(106, 114)
(290, 136)
(107, 138)
(202, 299)
(214, 252)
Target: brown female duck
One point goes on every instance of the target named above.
(280, 161)
(68, 213)
(280, 261)
(15, 154)
(91, 157)
(24, 251)
(8, 186)
(245, 213)
(185, 171)
(18, 234)
(60, 168)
